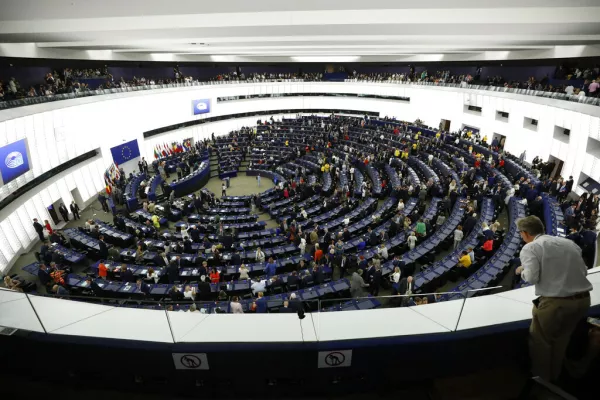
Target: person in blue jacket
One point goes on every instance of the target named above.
(270, 268)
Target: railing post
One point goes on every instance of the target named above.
(36, 314)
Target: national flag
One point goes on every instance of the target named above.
(108, 189)
(163, 152)
(179, 148)
(156, 155)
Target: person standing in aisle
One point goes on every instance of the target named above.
(75, 210)
(258, 179)
(39, 229)
(555, 266)
(223, 189)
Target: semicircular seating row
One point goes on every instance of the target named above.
(362, 215)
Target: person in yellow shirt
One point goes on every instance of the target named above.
(287, 143)
(485, 139)
(437, 135)
(326, 167)
(323, 168)
(397, 153)
(417, 135)
(469, 133)
(470, 149)
(156, 221)
(464, 260)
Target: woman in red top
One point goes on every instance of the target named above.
(215, 277)
(318, 253)
(48, 227)
(286, 194)
(102, 272)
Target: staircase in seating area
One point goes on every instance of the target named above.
(214, 165)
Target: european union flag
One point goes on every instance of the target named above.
(125, 152)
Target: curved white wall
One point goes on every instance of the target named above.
(62, 130)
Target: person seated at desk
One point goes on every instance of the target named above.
(361, 245)
(57, 258)
(43, 275)
(13, 284)
(204, 289)
(286, 307)
(306, 280)
(60, 291)
(126, 274)
(275, 282)
(189, 293)
(193, 308)
(143, 287)
(175, 294)
(222, 296)
(293, 280)
(235, 306)
(57, 275)
(260, 304)
(153, 275)
(94, 287)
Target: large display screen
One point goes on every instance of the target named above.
(201, 106)
(14, 160)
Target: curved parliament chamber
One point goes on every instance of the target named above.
(468, 326)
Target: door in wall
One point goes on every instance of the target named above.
(445, 125)
(557, 168)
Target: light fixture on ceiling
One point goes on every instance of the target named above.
(199, 44)
(325, 58)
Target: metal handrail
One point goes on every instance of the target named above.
(7, 104)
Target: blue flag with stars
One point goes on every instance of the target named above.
(125, 152)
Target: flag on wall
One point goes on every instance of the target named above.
(156, 155)
(125, 152)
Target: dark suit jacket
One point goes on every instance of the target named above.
(293, 280)
(44, 277)
(204, 291)
(38, 227)
(127, 276)
(103, 250)
(145, 288)
(404, 286)
(286, 310)
(236, 259)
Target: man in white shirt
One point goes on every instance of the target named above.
(258, 286)
(555, 266)
(569, 90)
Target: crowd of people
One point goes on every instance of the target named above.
(583, 81)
